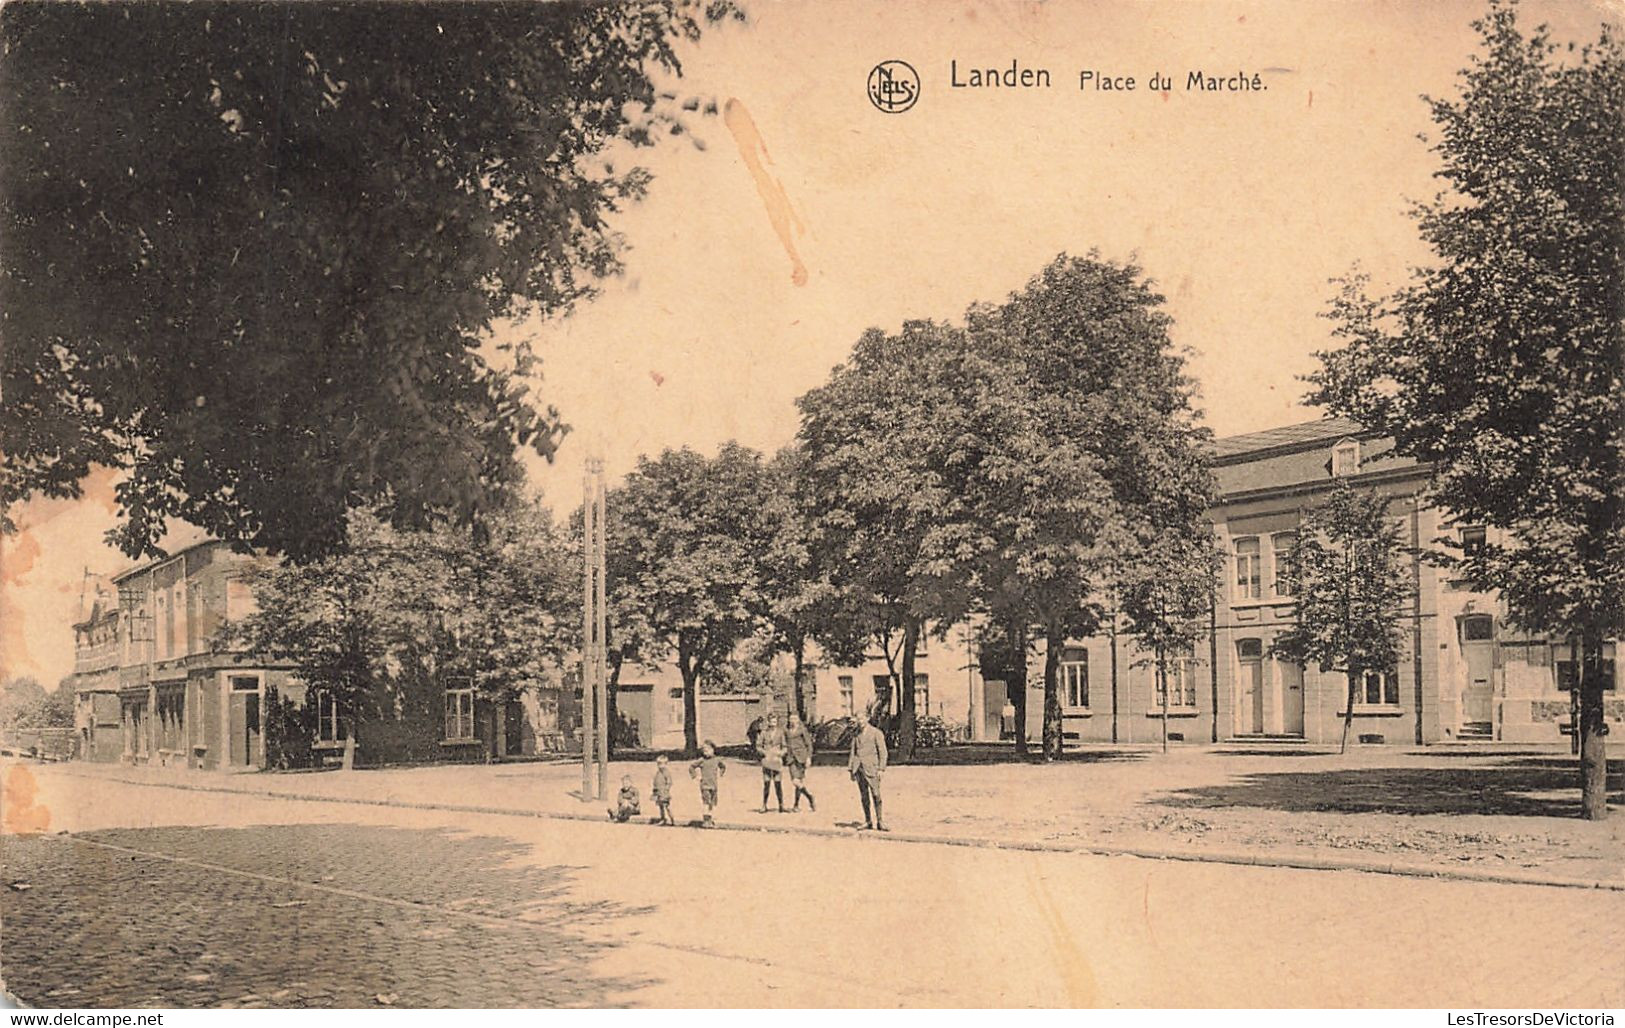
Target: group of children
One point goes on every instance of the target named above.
(780, 751)
(709, 769)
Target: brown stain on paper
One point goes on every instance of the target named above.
(1076, 974)
(17, 556)
(18, 553)
(22, 815)
(780, 214)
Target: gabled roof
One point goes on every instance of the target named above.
(1302, 436)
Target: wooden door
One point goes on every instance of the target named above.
(1291, 698)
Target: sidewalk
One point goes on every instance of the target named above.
(1498, 817)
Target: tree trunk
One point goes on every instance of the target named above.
(1213, 659)
(908, 715)
(1016, 688)
(690, 668)
(883, 698)
(613, 688)
(799, 686)
(1162, 677)
(1054, 639)
(1593, 730)
(1112, 632)
(1348, 711)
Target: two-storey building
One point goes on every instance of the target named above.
(159, 681)
(96, 719)
(1465, 672)
(184, 697)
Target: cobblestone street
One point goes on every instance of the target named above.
(162, 897)
(300, 915)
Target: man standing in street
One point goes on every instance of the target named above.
(866, 764)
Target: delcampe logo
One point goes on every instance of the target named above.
(894, 86)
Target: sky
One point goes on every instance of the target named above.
(809, 215)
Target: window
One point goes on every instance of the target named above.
(1283, 563)
(166, 637)
(1378, 689)
(245, 683)
(1181, 684)
(327, 719)
(846, 694)
(922, 693)
(883, 691)
(181, 645)
(1477, 628)
(240, 601)
(1250, 649)
(460, 712)
(1345, 459)
(1075, 677)
(1566, 676)
(920, 645)
(1473, 539)
(1247, 569)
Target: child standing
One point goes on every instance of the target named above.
(661, 791)
(626, 804)
(708, 769)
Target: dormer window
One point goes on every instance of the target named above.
(1345, 458)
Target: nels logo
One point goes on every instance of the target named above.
(894, 86)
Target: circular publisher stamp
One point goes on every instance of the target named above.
(894, 86)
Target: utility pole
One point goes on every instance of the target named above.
(602, 635)
(594, 624)
(589, 629)
(1416, 609)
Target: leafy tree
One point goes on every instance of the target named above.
(1500, 363)
(686, 534)
(794, 593)
(382, 625)
(22, 689)
(1347, 574)
(24, 703)
(1166, 599)
(1089, 453)
(875, 440)
(251, 253)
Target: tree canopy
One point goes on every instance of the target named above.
(251, 253)
(1347, 577)
(686, 536)
(878, 441)
(1501, 362)
(1004, 467)
(1091, 459)
(386, 625)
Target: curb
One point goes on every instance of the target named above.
(1303, 862)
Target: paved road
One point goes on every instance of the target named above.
(164, 897)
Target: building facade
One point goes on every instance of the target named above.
(157, 682)
(97, 723)
(1464, 673)
(184, 698)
